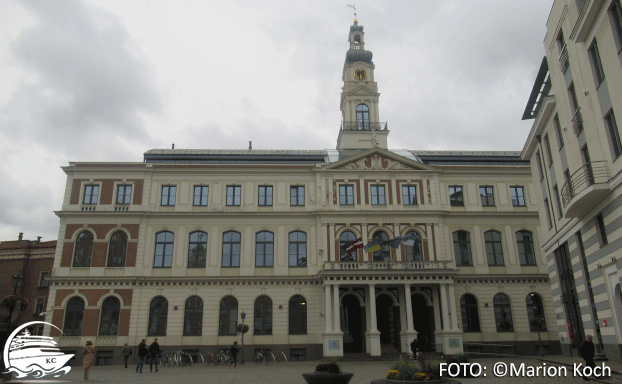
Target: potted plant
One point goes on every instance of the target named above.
(11, 300)
(403, 371)
(328, 372)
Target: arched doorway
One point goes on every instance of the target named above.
(423, 321)
(352, 322)
(388, 320)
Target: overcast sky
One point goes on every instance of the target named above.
(108, 80)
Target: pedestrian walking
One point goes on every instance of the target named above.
(586, 350)
(154, 352)
(234, 353)
(143, 351)
(414, 347)
(127, 352)
(89, 357)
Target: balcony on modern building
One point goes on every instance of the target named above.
(586, 186)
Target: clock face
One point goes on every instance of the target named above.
(360, 74)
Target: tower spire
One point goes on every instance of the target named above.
(353, 6)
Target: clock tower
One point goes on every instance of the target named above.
(360, 127)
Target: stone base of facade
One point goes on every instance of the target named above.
(523, 348)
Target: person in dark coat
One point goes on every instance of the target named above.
(154, 352)
(414, 347)
(586, 350)
(143, 351)
(234, 353)
(127, 351)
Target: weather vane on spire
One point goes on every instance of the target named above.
(353, 6)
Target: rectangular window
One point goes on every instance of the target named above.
(43, 281)
(548, 213)
(297, 196)
(572, 94)
(377, 195)
(518, 196)
(297, 354)
(234, 195)
(265, 195)
(614, 134)
(558, 130)
(346, 195)
(91, 193)
(168, 194)
(488, 198)
(103, 358)
(602, 231)
(124, 194)
(616, 15)
(539, 161)
(560, 210)
(409, 194)
(456, 198)
(40, 306)
(201, 194)
(597, 65)
(547, 144)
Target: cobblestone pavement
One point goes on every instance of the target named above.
(290, 372)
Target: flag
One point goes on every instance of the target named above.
(408, 239)
(372, 246)
(356, 244)
(395, 243)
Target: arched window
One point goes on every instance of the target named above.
(462, 248)
(197, 249)
(83, 250)
(117, 249)
(524, 241)
(158, 315)
(346, 238)
(384, 254)
(470, 313)
(362, 117)
(193, 316)
(503, 313)
(297, 315)
(494, 250)
(163, 257)
(231, 249)
(74, 314)
(535, 312)
(297, 249)
(264, 249)
(109, 322)
(414, 252)
(228, 319)
(263, 316)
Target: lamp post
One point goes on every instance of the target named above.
(243, 315)
(538, 323)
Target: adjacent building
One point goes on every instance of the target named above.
(574, 148)
(189, 243)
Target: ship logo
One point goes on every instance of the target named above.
(35, 356)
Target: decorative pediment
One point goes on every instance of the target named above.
(362, 91)
(377, 162)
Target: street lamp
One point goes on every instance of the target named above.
(17, 282)
(243, 314)
(538, 323)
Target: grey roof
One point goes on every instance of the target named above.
(234, 152)
(464, 153)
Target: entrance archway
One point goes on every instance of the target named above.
(352, 322)
(423, 321)
(388, 320)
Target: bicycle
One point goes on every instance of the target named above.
(263, 356)
(210, 358)
(183, 358)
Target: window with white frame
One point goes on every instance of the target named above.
(377, 195)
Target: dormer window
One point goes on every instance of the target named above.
(362, 117)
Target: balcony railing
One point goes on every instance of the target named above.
(577, 122)
(564, 63)
(363, 126)
(592, 173)
(385, 265)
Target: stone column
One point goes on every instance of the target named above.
(336, 311)
(372, 308)
(331, 246)
(327, 309)
(444, 308)
(452, 306)
(409, 308)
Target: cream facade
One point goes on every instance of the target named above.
(178, 246)
(574, 148)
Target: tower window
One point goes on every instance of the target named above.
(362, 117)
(357, 39)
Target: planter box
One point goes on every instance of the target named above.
(327, 378)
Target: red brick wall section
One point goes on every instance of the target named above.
(57, 320)
(107, 191)
(133, 229)
(65, 260)
(70, 229)
(75, 191)
(90, 322)
(99, 255)
(93, 295)
(124, 322)
(101, 230)
(61, 294)
(138, 191)
(126, 295)
(130, 258)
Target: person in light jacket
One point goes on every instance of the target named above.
(89, 357)
(127, 351)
